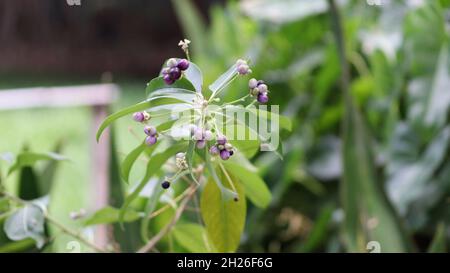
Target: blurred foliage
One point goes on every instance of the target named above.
(394, 132)
(367, 159)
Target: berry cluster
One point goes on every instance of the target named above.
(259, 90)
(201, 136)
(242, 67)
(222, 148)
(152, 135)
(172, 72)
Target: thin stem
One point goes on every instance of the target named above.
(55, 222)
(151, 244)
(228, 177)
(238, 100)
(215, 94)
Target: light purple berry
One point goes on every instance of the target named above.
(263, 98)
(224, 154)
(201, 144)
(183, 64)
(139, 116)
(243, 69)
(214, 150)
(252, 83)
(150, 130)
(165, 71)
(150, 140)
(262, 88)
(172, 62)
(207, 135)
(175, 73)
(168, 79)
(221, 140)
(198, 134)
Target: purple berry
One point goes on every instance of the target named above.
(263, 98)
(262, 88)
(139, 116)
(221, 140)
(150, 130)
(243, 69)
(252, 83)
(183, 64)
(175, 73)
(165, 185)
(165, 71)
(150, 140)
(172, 62)
(198, 134)
(231, 152)
(214, 150)
(207, 135)
(201, 144)
(224, 154)
(168, 79)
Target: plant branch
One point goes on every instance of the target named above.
(56, 223)
(153, 241)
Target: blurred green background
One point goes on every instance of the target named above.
(374, 167)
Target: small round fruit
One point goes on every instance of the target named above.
(172, 62)
(183, 64)
(201, 144)
(150, 140)
(214, 150)
(263, 98)
(165, 185)
(168, 79)
(224, 154)
(150, 130)
(175, 73)
(139, 117)
(221, 140)
(252, 83)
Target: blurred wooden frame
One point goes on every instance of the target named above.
(99, 97)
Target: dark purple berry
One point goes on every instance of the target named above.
(224, 154)
(168, 79)
(231, 152)
(221, 140)
(175, 73)
(263, 98)
(165, 185)
(236, 199)
(183, 64)
(150, 140)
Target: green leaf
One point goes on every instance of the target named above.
(154, 164)
(144, 105)
(224, 218)
(110, 215)
(283, 11)
(255, 188)
(368, 215)
(152, 202)
(27, 222)
(192, 237)
(439, 244)
(195, 76)
(430, 99)
(224, 79)
(28, 159)
(193, 26)
(190, 159)
(226, 193)
(158, 83)
(130, 159)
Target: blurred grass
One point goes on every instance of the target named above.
(40, 129)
